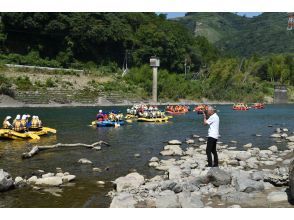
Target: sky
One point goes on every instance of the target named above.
(181, 14)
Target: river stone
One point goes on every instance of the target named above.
(97, 148)
(285, 129)
(275, 135)
(224, 189)
(236, 197)
(167, 185)
(276, 179)
(153, 164)
(190, 200)
(284, 135)
(218, 176)
(123, 200)
(18, 180)
(167, 199)
(233, 142)
(243, 155)
(277, 196)
(32, 180)
(174, 149)
(48, 175)
(291, 138)
(68, 178)
(278, 130)
(269, 163)
(6, 181)
(244, 184)
(268, 185)
(154, 159)
(196, 136)
(49, 181)
(190, 141)
(273, 148)
(59, 174)
(258, 175)
(174, 172)
(84, 161)
(201, 140)
(249, 145)
(174, 142)
(265, 153)
(132, 180)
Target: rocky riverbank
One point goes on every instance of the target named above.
(251, 177)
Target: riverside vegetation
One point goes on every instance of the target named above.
(99, 43)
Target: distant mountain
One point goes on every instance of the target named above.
(237, 35)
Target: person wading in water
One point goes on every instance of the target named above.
(211, 118)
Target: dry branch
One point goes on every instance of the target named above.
(36, 149)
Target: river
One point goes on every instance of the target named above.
(72, 124)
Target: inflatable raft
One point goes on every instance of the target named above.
(108, 123)
(165, 119)
(14, 135)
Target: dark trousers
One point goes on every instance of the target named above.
(211, 149)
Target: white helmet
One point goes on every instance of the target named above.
(8, 117)
(100, 111)
(24, 117)
(17, 117)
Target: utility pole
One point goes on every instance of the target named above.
(154, 63)
(185, 68)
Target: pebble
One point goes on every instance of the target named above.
(96, 169)
(137, 155)
(101, 182)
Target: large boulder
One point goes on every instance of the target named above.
(174, 172)
(218, 176)
(290, 138)
(246, 146)
(190, 200)
(49, 181)
(123, 200)
(243, 155)
(6, 181)
(247, 185)
(167, 199)
(132, 180)
(273, 148)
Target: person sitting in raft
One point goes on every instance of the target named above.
(35, 123)
(28, 123)
(100, 116)
(17, 125)
(24, 121)
(6, 123)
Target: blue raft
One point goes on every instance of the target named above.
(109, 123)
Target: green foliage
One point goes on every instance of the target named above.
(5, 86)
(23, 83)
(50, 83)
(243, 36)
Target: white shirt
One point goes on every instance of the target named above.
(213, 122)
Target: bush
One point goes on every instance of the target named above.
(5, 86)
(23, 83)
(50, 83)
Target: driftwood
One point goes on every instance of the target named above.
(36, 149)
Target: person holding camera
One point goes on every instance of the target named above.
(211, 118)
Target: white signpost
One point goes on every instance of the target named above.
(154, 63)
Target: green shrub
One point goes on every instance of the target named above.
(23, 83)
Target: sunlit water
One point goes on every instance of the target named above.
(118, 159)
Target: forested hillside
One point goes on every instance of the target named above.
(231, 57)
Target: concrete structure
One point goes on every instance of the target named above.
(154, 63)
(280, 94)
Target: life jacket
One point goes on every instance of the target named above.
(24, 123)
(5, 125)
(35, 123)
(18, 126)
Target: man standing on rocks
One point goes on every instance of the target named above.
(213, 135)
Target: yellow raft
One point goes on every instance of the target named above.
(14, 135)
(165, 119)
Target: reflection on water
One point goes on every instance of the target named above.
(147, 139)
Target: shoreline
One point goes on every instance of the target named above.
(245, 178)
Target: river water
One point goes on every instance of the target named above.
(72, 124)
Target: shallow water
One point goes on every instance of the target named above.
(143, 138)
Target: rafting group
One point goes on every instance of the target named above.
(22, 128)
(177, 109)
(245, 107)
(146, 113)
(111, 119)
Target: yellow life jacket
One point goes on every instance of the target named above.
(18, 126)
(5, 126)
(35, 123)
(24, 123)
